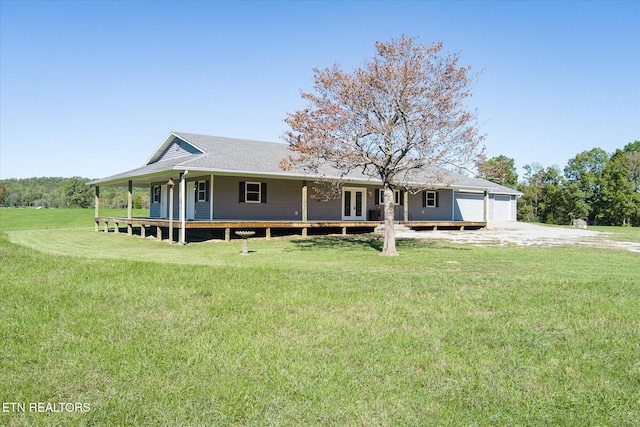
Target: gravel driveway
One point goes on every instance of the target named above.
(524, 234)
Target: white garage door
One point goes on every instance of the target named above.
(469, 207)
(502, 208)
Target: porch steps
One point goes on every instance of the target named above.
(397, 228)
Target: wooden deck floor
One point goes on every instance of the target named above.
(265, 228)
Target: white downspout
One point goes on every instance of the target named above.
(183, 206)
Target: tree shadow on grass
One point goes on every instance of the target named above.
(359, 242)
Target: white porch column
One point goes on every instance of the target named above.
(183, 206)
(211, 199)
(406, 206)
(170, 184)
(486, 206)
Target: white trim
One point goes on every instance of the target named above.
(199, 191)
(435, 198)
(211, 198)
(167, 142)
(182, 206)
(164, 201)
(191, 200)
(363, 190)
(246, 192)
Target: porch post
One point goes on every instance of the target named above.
(130, 208)
(183, 205)
(486, 206)
(406, 206)
(304, 201)
(211, 199)
(170, 183)
(97, 208)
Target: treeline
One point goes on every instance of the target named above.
(602, 188)
(65, 193)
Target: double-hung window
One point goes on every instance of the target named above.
(202, 191)
(398, 198)
(157, 194)
(253, 192)
(429, 199)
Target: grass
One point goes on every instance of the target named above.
(318, 331)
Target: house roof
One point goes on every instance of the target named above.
(204, 154)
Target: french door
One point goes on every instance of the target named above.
(354, 202)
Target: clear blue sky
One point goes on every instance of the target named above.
(92, 88)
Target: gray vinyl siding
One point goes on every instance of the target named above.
(284, 200)
(321, 210)
(202, 211)
(154, 208)
(178, 148)
(441, 213)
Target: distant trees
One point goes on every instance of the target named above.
(501, 170)
(77, 193)
(602, 188)
(64, 193)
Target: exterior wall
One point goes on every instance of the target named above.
(155, 209)
(284, 200)
(178, 148)
(202, 211)
(443, 212)
(330, 210)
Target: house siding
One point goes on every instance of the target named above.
(440, 213)
(202, 211)
(155, 209)
(178, 148)
(320, 210)
(284, 200)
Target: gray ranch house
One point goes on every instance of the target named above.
(208, 184)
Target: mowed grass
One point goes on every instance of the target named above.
(318, 331)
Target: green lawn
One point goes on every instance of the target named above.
(318, 331)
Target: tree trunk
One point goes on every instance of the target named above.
(389, 247)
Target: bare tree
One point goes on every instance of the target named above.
(393, 118)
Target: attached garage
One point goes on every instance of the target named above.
(468, 207)
(502, 208)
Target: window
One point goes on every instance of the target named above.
(429, 199)
(397, 195)
(202, 191)
(253, 192)
(157, 192)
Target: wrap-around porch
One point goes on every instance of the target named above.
(188, 230)
(178, 226)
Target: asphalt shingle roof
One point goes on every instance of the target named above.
(241, 156)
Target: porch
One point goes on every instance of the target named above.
(190, 230)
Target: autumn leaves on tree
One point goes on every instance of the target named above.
(402, 111)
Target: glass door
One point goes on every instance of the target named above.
(353, 204)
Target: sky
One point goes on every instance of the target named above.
(92, 88)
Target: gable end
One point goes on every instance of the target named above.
(177, 148)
